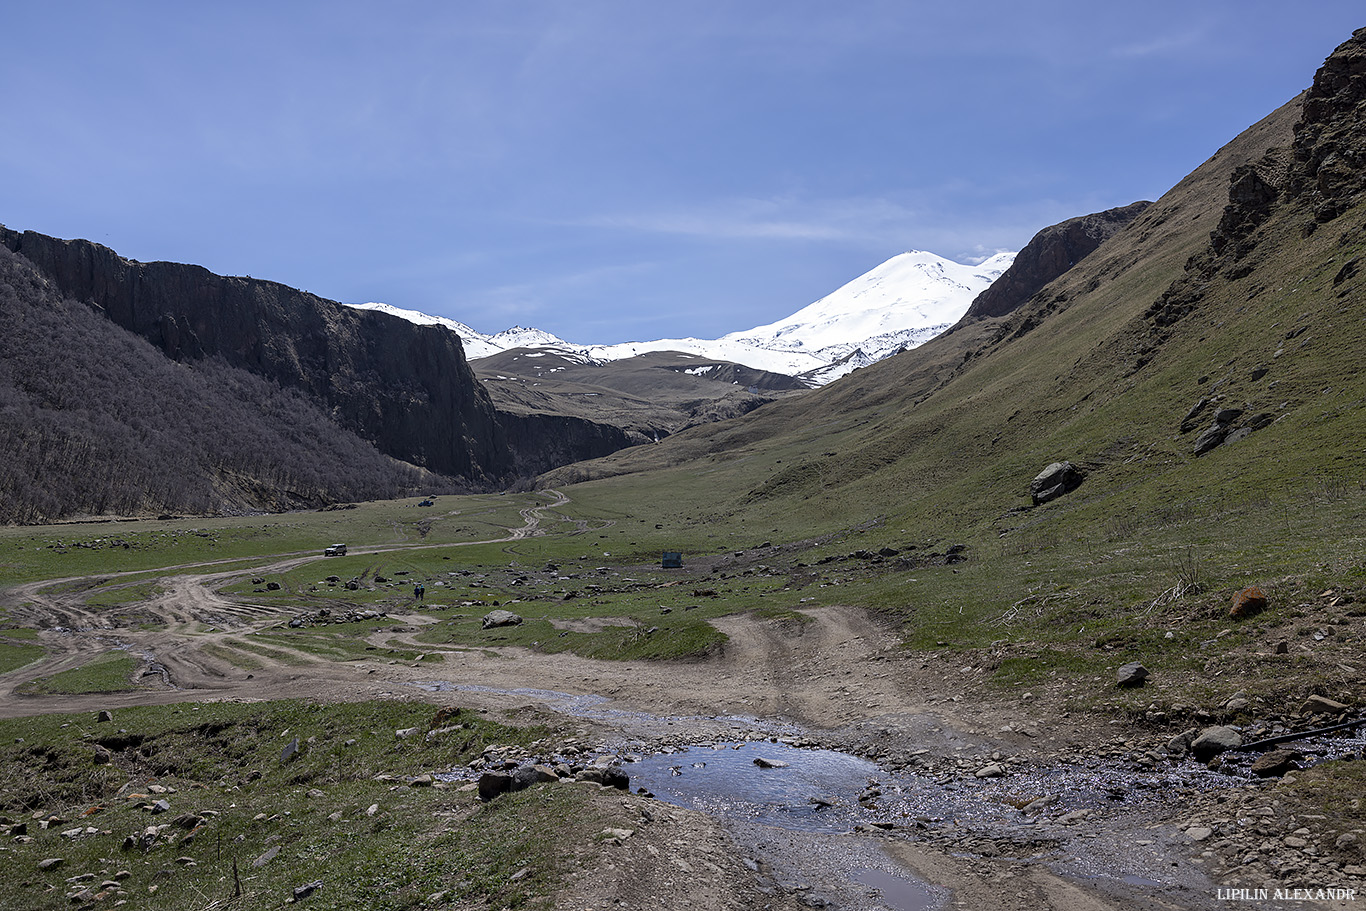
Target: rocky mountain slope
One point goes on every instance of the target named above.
(403, 388)
(94, 419)
(1048, 255)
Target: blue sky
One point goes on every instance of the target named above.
(614, 170)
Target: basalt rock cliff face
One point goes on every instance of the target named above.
(1048, 255)
(406, 388)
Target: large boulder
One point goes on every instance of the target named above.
(1054, 481)
(500, 618)
(1132, 674)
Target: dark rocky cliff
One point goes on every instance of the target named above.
(1048, 255)
(405, 387)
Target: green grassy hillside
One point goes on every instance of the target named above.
(1204, 297)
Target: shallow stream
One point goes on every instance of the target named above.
(794, 807)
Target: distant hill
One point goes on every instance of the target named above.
(649, 396)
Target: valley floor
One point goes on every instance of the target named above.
(979, 800)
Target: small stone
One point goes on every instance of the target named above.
(1215, 740)
(995, 770)
(1322, 704)
(51, 863)
(104, 715)
(492, 784)
(763, 763)
(1199, 833)
(307, 889)
(1246, 603)
(1132, 674)
(1276, 763)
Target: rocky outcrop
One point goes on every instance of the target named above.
(407, 388)
(1330, 158)
(1324, 171)
(1048, 255)
(540, 442)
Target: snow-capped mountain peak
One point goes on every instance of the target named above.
(900, 304)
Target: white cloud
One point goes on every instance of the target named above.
(781, 218)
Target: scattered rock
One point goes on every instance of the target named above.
(995, 770)
(1132, 674)
(1215, 740)
(492, 784)
(763, 763)
(1199, 833)
(1246, 603)
(290, 752)
(51, 863)
(500, 618)
(1322, 704)
(1276, 763)
(266, 857)
(324, 616)
(307, 889)
(104, 715)
(1054, 481)
(1188, 422)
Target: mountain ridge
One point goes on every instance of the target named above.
(898, 304)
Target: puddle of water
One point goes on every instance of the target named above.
(816, 790)
(897, 893)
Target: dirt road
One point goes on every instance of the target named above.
(836, 675)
